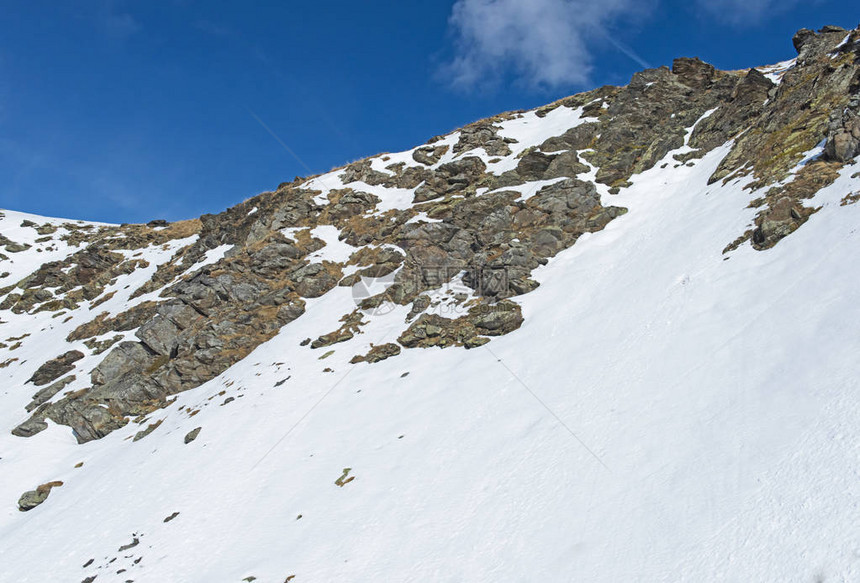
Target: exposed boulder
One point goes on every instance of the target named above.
(191, 436)
(33, 498)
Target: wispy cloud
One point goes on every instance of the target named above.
(743, 12)
(545, 43)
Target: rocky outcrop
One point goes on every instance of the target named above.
(378, 353)
(458, 177)
(483, 134)
(470, 330)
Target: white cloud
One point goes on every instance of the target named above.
(546, 43)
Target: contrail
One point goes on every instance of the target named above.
(626, 50)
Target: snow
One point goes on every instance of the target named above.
(423, 218)
(211, 256)
(528, 189)
(842, 43)
(20, 264)
(530, 130)
(335, 250)
(126, 285)
(666, 413)
(775, 72)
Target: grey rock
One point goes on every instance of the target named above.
(694, 72)
(30, 427)
(192, 435)
(55, 368)
(48, 392)
(126, 357)
(33, 498)
(161, 334)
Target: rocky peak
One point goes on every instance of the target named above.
(810, 44)
(693, 72)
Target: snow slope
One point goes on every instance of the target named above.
(666, 413)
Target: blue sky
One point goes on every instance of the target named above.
(124, 111)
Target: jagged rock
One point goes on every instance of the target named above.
(48, 392)
(273, 259)
(350, 203)
(30, 427)
(801, 37)
(149, 429)
(378, 353)
(55, 368)
(753, 89)
(134, 542)
(351, 326)
(694, 72)
(812, 45)
(843, 136)
(16, 247)
(487, 319)
(569, 195)
(565, 164)
(128, 320)
(312, 281)
(577, 138)
(100, 346)
(484, 135)
(497, 319)
(126, 357)
(363, 172)
(460, 176)
(161, 334)
(533, 165)
(429, 155)
(33, 498)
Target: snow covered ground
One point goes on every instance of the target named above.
(666, 413)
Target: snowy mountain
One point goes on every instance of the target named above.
(611, 339)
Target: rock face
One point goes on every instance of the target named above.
(476, 210)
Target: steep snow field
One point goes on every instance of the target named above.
(666, 413)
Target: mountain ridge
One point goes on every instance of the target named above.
(157, 322)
